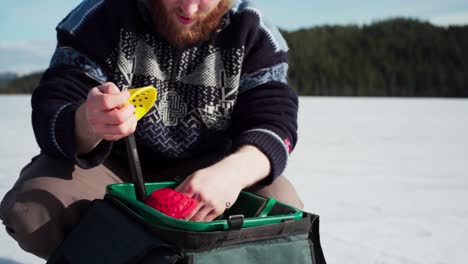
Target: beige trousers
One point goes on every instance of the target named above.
(51, 195)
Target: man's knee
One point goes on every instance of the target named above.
(43, 206)
(31, 218)
(283, 191)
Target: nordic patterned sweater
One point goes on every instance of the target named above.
(217, 95)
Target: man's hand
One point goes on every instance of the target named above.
(104, 115)
(218, 186)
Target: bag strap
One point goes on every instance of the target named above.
(314, 237)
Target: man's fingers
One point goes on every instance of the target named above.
(185, 188)
(122, 130)
(200, 215)
(195, 211)
(108, 88)
(181, 187)
(106, 97)
(217, 211)
(111, 101)
(211, 216)
(118, 116)
(112, 137)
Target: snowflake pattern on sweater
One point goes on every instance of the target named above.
(197, 90)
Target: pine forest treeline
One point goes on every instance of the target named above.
(397, 57)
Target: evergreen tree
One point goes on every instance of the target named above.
(396, 57)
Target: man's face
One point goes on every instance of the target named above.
(183, 22)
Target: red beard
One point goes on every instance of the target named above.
(203, 25)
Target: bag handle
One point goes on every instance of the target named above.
(265, 208)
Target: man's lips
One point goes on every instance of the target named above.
(185, 20)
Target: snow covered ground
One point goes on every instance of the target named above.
(389, 177)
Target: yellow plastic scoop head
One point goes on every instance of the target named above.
(143, 99)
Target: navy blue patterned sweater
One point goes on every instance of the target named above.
(223, 93)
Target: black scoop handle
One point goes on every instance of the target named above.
(135, 168)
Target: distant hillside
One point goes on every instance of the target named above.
(21, 85)
(397, 57)
(7, 77)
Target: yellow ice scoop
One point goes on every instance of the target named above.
(143, 99)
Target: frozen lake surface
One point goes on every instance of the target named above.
(389, 177)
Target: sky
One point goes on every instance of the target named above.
(27, 35)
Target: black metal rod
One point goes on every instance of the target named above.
(135, 168)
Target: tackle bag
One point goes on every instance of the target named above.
(119, 229)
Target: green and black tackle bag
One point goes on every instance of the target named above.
(119, 229)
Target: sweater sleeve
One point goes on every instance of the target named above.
(265, 114)
(84, 40)
(54, 102)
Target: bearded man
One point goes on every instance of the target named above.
(225, 119)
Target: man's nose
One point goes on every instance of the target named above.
(189, 7)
